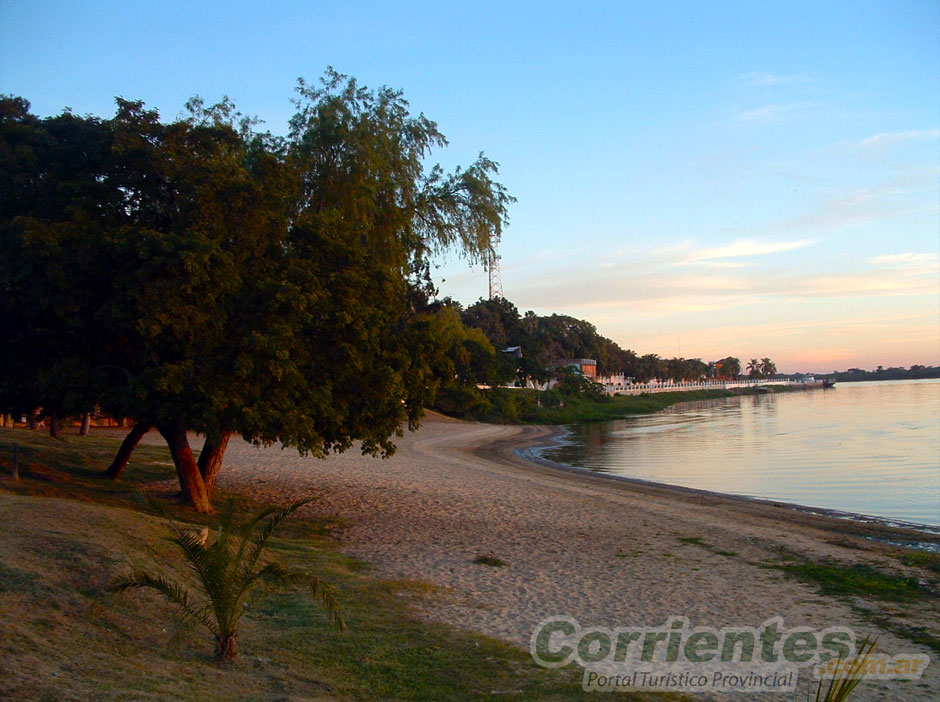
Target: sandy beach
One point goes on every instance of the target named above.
(606, 552)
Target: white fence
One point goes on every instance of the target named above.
(640, 388)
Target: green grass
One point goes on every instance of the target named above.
(856, 580)
(68, 534)
(921, 559)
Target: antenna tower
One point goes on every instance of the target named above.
(496, 280)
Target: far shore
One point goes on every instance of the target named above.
(608, 552)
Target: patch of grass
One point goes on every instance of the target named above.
(921, 559)
(915, 634)
(856, 580)
(488, 559)
(697, 541)
(694, 541)
(17, 580)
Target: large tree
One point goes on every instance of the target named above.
(262, 285)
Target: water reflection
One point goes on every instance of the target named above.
(872, 448)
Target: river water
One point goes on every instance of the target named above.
(868, 448)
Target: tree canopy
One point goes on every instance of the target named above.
(201, 276)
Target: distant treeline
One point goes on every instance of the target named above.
(915, 372)
(546, 339)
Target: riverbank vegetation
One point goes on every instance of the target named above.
(568, 403)
(915, 372)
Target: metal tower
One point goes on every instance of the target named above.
(496, 281)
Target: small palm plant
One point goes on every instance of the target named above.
(844, 683)
(228, 571)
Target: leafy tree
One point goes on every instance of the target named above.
(768, 367)
(498, 318)
(728, 367)
(754, 368)
(650, 366)
(260, 285)
(56, 199)
(227, 573)
(685, 369)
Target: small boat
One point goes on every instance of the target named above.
(829, 383)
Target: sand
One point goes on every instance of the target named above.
(606, 552)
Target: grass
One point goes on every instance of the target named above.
(68, 534)
(856, 580)
(694, 541)
(921, 559)
(489, 559)
(698, 541)
(852, 582)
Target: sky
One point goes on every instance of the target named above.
(697, 179)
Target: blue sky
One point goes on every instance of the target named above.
(696, 178)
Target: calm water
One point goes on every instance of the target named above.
(868, 448)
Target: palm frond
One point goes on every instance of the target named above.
(275, 575)
(173, 591)
(262, 530)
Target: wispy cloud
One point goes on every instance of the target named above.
(863, 205)
(890, 138)
(764, 79)
(778, 112)
(907, 258)
(749, 247)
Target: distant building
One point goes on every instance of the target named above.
(585, 366)
(514, 351)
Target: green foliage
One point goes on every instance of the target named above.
(519, 406)
(856, 580)
(202, 276)
(915, 372)
(921, 559)
(463, 401)
(729, 367)
(227, 572)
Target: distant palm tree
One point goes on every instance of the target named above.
(753, 368)
(227, 573)
(768, 367)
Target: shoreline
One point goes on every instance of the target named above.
(607, 552)
(887, 528)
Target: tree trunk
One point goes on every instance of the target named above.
(192, 486)
(226, 647)
(54, 426)
(86, 424)
(7, 420)
(33, 419)
(123, 456)
(210, 460)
